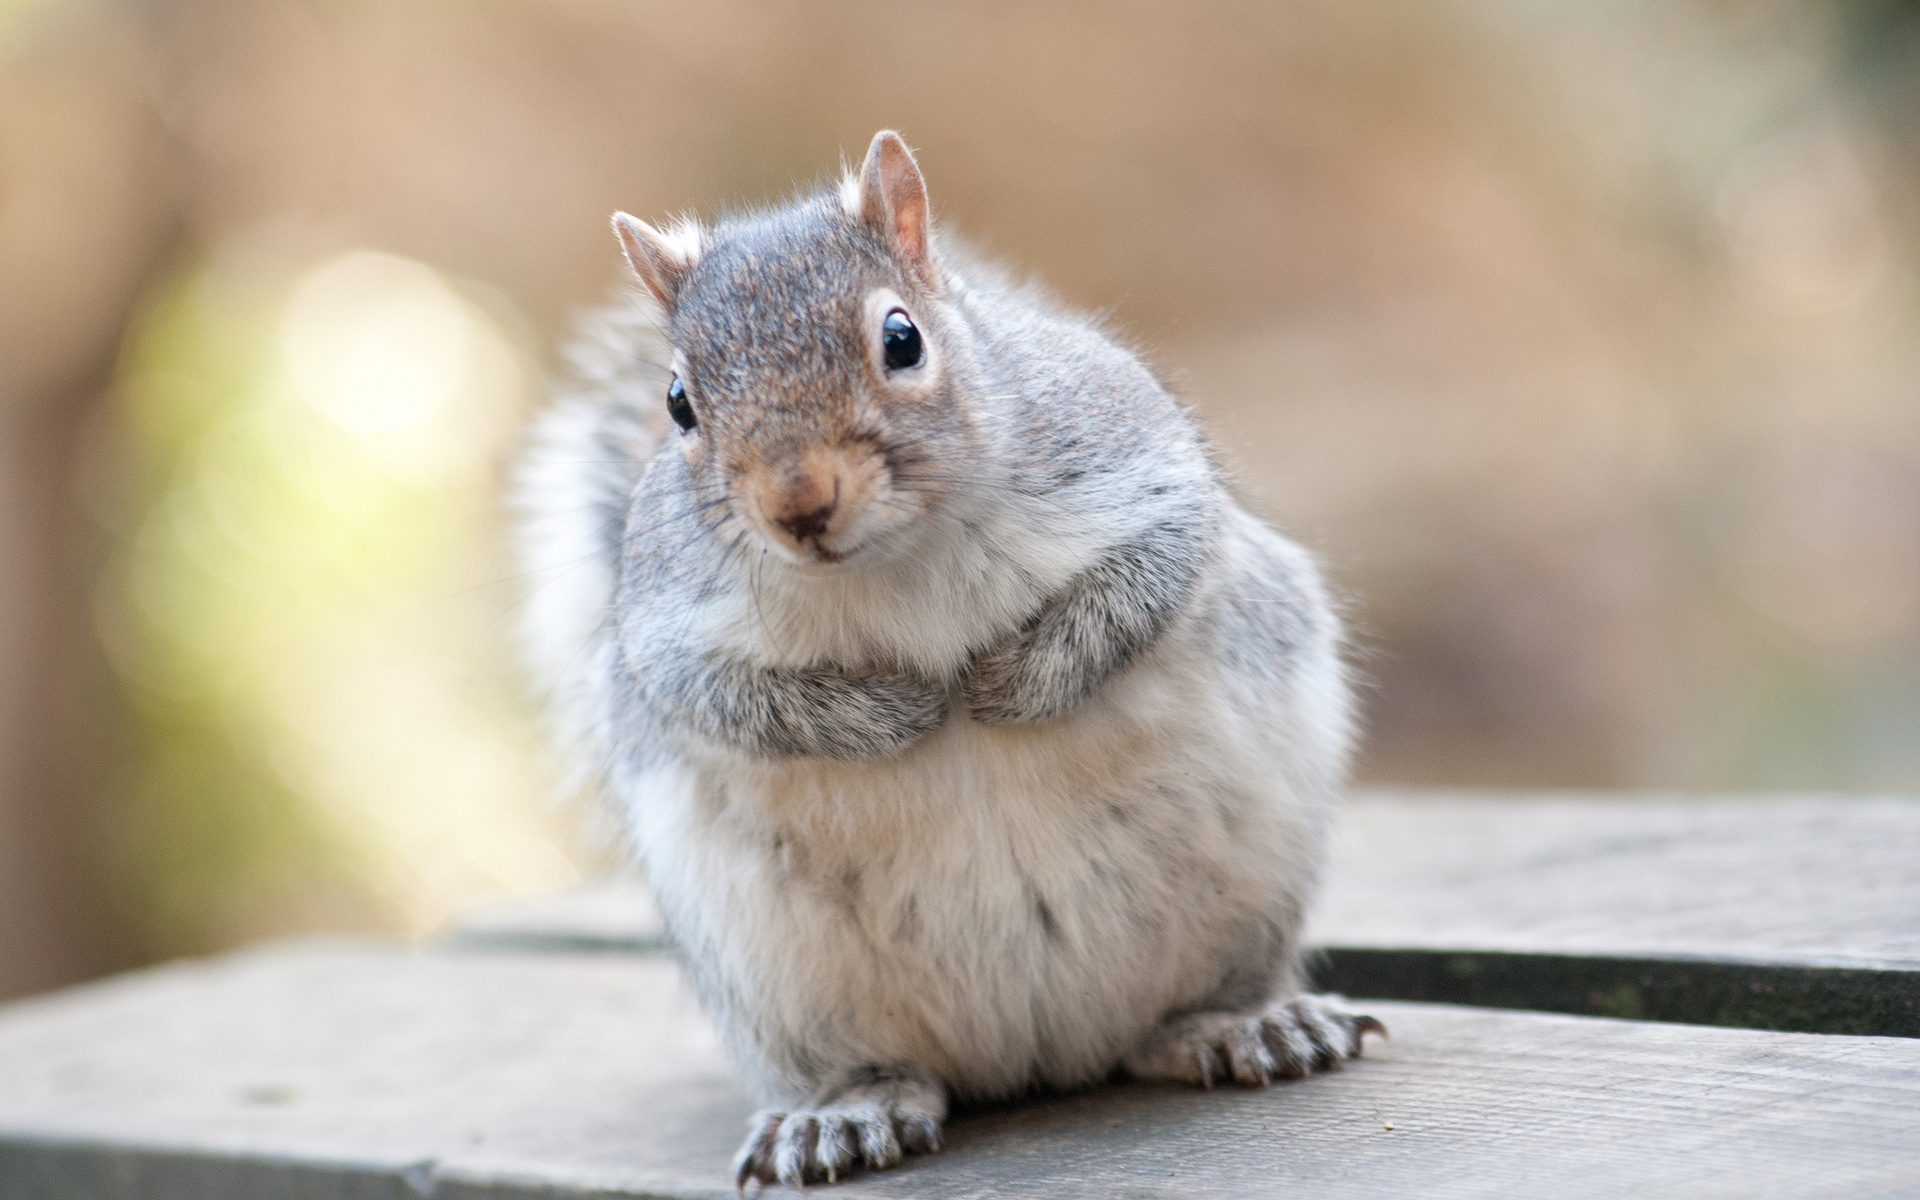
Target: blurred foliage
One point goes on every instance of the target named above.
(311, 462)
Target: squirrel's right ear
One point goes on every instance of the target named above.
(661, 260)
(891, 197)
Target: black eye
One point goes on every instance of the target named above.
(902, 342)
(678, 407)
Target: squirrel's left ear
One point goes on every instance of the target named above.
(892, 199)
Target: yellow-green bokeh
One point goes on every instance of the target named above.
(308, 607)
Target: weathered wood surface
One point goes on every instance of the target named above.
(612, 914)
(360, 1071)
(1818, 881)
(1766, 912)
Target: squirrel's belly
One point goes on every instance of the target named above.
(1005, 906)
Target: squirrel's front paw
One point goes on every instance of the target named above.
(871, 1126)
(1020, 681)
(1288, 1040)
(859, 717)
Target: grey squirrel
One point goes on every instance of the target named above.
(973, 738)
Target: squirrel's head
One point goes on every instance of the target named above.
(815, 362)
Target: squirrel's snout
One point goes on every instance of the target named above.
(808, 508)
(823, 504)
(804, 525)
(801, 499)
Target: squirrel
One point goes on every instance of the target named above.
(974, 740)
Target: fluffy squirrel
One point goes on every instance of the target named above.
(974, 740)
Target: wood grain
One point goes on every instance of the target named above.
(341, 1071)
(1815, 881)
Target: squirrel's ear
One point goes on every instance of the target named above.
(661, 260)
(893, 201)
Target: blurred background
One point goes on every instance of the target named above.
(1581, 337)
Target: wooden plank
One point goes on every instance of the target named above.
(1807, 881)
(1690, 991)
(325, 1072)
(1771, 912)
(609, 915)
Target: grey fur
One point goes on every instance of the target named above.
(1094, 628)
(1015, 770)
(784, 712)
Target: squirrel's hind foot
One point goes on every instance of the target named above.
(1289, 1039)
(870, 1124)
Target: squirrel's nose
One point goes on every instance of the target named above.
(807, 524)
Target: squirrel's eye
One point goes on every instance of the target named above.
(902, 342)
(678, 407)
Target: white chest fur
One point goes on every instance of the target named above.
(1003, 906)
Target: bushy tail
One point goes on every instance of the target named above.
(570, 495)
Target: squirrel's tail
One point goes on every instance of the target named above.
(570, 493)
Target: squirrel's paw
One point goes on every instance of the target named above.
(849, 717)
(1288, 1040)
(1013, 684)
(882, 714)
(871, 1126)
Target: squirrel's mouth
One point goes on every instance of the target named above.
(818, 508)
(814, 550)
(827, 552)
